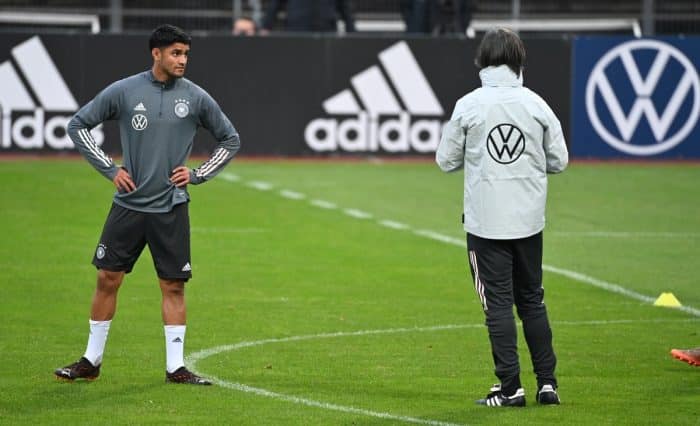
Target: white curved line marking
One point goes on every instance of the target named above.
(205, 353)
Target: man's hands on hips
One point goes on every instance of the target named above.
(180, 176)
(123, 181)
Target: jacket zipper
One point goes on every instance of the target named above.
(160, 112)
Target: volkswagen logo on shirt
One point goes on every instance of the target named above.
(505, 143)
(139, 122)
(658, 83)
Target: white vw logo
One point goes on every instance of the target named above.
(139, 122)
(644, 90)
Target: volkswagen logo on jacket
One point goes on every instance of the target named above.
(505, 143)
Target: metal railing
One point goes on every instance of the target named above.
(52, 19)
(216, 16)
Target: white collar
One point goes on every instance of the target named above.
(500, 75)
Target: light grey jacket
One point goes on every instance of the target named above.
(507, 139)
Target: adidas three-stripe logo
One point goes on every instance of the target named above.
(218, 158)
(411, 96)
(36, 86)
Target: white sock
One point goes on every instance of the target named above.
(96, 341)
(174, 347)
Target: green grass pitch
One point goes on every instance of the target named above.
(338, 293)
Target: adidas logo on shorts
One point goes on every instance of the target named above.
(187, 267)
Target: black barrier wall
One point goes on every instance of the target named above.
(286, 96)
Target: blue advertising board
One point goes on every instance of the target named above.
(636, 98)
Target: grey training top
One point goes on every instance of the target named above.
(157, 124)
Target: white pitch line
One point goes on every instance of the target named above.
(222, 230)
(292, 195)
(194, 358)
(323, 204)
(325, 405)
(624, 234)
(623, 321)
(262, 186)
(357, 214)
(393, 225)
(599, 283)
(197, 356)
(440, 237)
(689, 309)
(577, 276)
(206, 353)
(230, 177)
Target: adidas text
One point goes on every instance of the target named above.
(377, 117)
(35, 113)
(35, 130)
(365, 134)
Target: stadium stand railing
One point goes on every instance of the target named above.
(52, 20)
(216, 16)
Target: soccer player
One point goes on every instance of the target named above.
(158, 112)
(691, 356)
(507, 139)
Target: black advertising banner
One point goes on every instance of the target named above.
(45, 79)
(286, 96)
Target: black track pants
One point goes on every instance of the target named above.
(507, 273)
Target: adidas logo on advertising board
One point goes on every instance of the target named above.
(36, 119)
(365, 132)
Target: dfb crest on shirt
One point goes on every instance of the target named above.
(505, 143)
(101, 251)
(182, 107)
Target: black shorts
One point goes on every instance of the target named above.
(126, 233)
